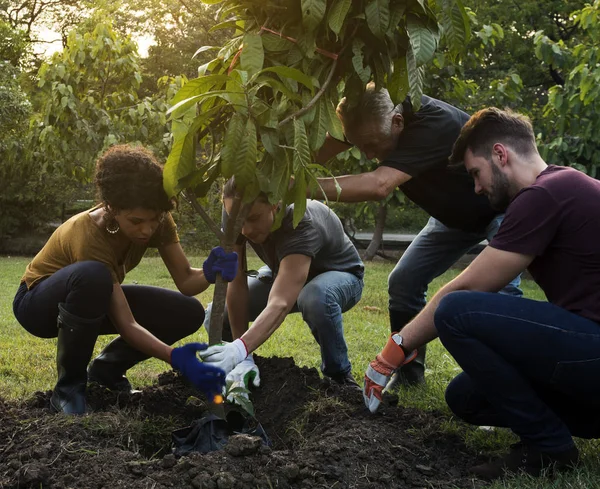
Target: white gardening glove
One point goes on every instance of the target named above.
(225, 356)
(243, 375)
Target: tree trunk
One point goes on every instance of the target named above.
(378, 233)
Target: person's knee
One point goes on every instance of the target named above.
(92, 274)
(194, 317)
(449, 309)
(312, 304)
(457, 395)
(406, 286)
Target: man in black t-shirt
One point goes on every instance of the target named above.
(530, 366)
(413, 149)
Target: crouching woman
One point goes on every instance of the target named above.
(72, 288)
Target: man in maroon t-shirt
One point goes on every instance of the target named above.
(527, 365)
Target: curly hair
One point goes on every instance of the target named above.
(130, 176)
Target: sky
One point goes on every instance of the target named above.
(53, 42)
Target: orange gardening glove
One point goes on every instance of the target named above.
(381, 369)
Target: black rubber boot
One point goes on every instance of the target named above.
(412, 373)
(76, 339)
(109, 368)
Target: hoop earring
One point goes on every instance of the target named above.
(114, 229)
(112, 226)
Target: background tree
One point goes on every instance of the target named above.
(572, 118)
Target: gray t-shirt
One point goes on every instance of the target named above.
(319, 234)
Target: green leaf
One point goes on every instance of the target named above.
(273, 43)
(245, 170)
(279, 178)
(422, 40)
(277, 86)
(253, 55)
(204, 49)
(363, 72)
(299, 195)
(396, 15)
(312, 13)
(231, 142)
(291, 73)
(415, 79)
(334, 126)
(337, 14)
(198, 86)
(302, 156)
(182, 158)
(318, 129)
(181, 107)
(455, 24)
(378, 16)
(398, 84)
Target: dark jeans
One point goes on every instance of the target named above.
(529, 366)
(321, 303)
(85, 289)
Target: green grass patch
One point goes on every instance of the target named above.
(27, 363)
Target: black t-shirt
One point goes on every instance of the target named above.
(423, 149)
(557, 220)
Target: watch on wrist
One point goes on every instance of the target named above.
(399, 340)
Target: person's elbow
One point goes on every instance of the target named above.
(281, 305)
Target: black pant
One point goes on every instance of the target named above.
(85, 289)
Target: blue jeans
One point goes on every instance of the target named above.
(435, 249)
(321, 303)
(85, 288)
(527, 365)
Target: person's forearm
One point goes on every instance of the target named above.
(265, 325)
(354, 188)
(141, 339)
(195, 283)
(421, 330)
(331, 147)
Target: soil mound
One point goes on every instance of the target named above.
(321, 434)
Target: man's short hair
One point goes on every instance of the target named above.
(490, 126)
(373, 106)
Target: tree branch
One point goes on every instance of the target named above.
(314, 100)
(204, 215)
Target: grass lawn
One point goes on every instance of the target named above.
(27, 364)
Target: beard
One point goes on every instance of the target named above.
(500, 194)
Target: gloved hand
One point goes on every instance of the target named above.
(380, 371)
(243, 375)
(219, 261)
(207, 378)
(225, 356)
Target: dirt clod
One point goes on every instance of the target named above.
(242, 445)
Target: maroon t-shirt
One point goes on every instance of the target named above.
(557, 219)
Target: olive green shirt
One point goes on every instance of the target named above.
(80, 239)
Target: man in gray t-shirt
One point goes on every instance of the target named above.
(319, 235)
(313, 269)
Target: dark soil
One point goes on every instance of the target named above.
(322, 436)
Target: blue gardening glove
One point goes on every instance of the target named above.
(225, 356)
(207, 378)
(244, 374)
(380, 371)
(219, 261)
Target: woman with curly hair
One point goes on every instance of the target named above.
(72, 288)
